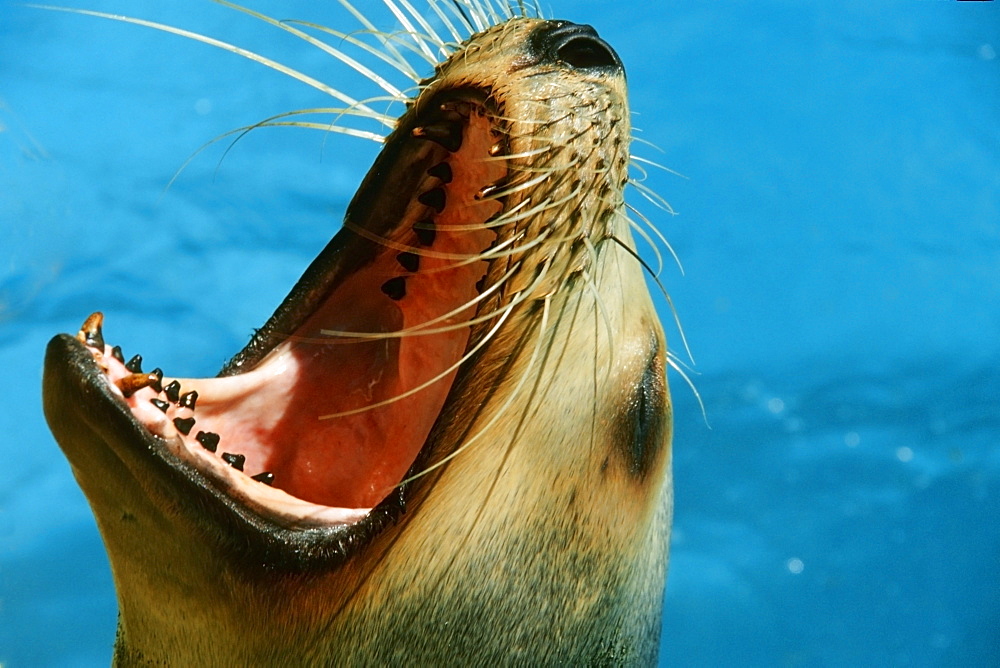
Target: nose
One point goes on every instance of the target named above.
(577, 46)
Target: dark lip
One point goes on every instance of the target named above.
(72, 374)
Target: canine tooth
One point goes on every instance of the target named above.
(184, 425)
(496, 149)
(442, 171)
(236, 461)
(160, 403)
(188, 400)
(433, 198)
(116, 352)
(426, 232)
(208, 439)
(409, 261)
(135, 364)
(266, 477)
(448, 135)
(173, 391)
(90, 332)
(134, 382)
(395, 288)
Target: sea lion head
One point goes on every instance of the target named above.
(450, 443)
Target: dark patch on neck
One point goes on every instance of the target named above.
(642, 423)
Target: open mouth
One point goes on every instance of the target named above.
(325, 411)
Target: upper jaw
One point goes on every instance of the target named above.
(124, 460)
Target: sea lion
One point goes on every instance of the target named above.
(450, 444)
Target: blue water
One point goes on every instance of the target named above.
(839, 227)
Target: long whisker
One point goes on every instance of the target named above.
(384, 39)
(398, 63)
(675, 364)
(641, 231)
(225, 46)
(427, 28)
(514, 394)
(416, 36)
(652, 196)
(662, 288)
(648, 225)
(423, 386)
(326, 48)
(455, 34)
(423, 328)
(272, 121)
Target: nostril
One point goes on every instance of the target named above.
(585, 51)
(574, 45)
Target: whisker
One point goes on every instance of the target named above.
(514, 394)
(599, 301)
(401, 65)
(459, 13)
(270, 122)
(423, 386)
(326, 48)
(656, 231)
(675, 364)
(383, 37)
(653, 197)
(475, 14)
(417, 37)
(641, 231)
(428, 29)
(663, 291)
(225, 46)
(436, 8)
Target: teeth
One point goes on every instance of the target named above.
(135, 364)
(184, 424)
(442, 171)
(409, 261)
(426, 232)
(448, 135)
(132, 383)
(158, 373)
(209, 440)
(433, 198)
(266, 477)
(236, 461)
(91, 335)
(173, 391)
(188, 400)
(395, 288)
(90, 332)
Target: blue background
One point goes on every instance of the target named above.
(839, 227)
